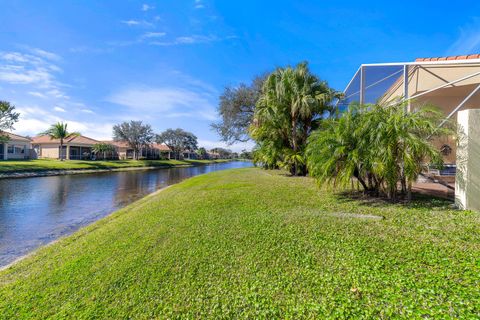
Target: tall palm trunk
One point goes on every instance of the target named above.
(403, 182)
(61, 149)
(409, 190)
(356, 174)
(294, 142)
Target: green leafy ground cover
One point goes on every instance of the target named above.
(248, 243)
(51, 164)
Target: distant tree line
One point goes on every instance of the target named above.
(136, 134)
(139, 135)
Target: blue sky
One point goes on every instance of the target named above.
(97, 63)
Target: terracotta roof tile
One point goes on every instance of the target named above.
(16, 137)
(71, 139)
(161, 147)
(123, 144)
(118, 144)
(462, 57)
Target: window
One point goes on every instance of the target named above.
(16, 149)
(19, 149)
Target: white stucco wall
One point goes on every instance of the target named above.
(49, 151)
(4, 155)
(467, 182)
(14, 156)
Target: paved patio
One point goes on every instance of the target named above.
(435, 189)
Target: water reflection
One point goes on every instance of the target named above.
(35, 211)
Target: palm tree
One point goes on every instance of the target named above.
(335, 152)
(380, 146)
(202, 153)
(267, 155)
(292, 103)
(402, 143)
(59, 131)
(103, 148)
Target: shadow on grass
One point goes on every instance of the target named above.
(419, 201)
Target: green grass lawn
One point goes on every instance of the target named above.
(248, 243)
(51, 164)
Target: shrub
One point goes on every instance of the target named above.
(383, 147)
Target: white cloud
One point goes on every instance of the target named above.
(12, 74)
(99, 131)
(59, 109)
(132, 23)
(35, 119)
(186, 40)
(45, 54)
(209, 114)
(17, 68)
(89, 49)
(31, 127)
(56, 93)
(37, 94)
(468, 40)
(161, 99)
(206, 88)
(140, 39)
(29, 81)
(148, 35)
(170, 102)
(14, 56)
(194, 39)
(236, 147)
(199, 4)
(146, 7)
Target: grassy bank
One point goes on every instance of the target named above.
(51, 164)
(254, 244)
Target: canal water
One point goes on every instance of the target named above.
(36, 211)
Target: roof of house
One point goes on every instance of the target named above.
(161, 147)
(119, 144)
(16, 137)
(426, 78)
(124, 144)
(463, 57)
(70, 139)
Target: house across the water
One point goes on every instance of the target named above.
(16, 147)
(78, 147)
(124, 151)
(75, 147)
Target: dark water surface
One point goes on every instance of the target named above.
(35, 211)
